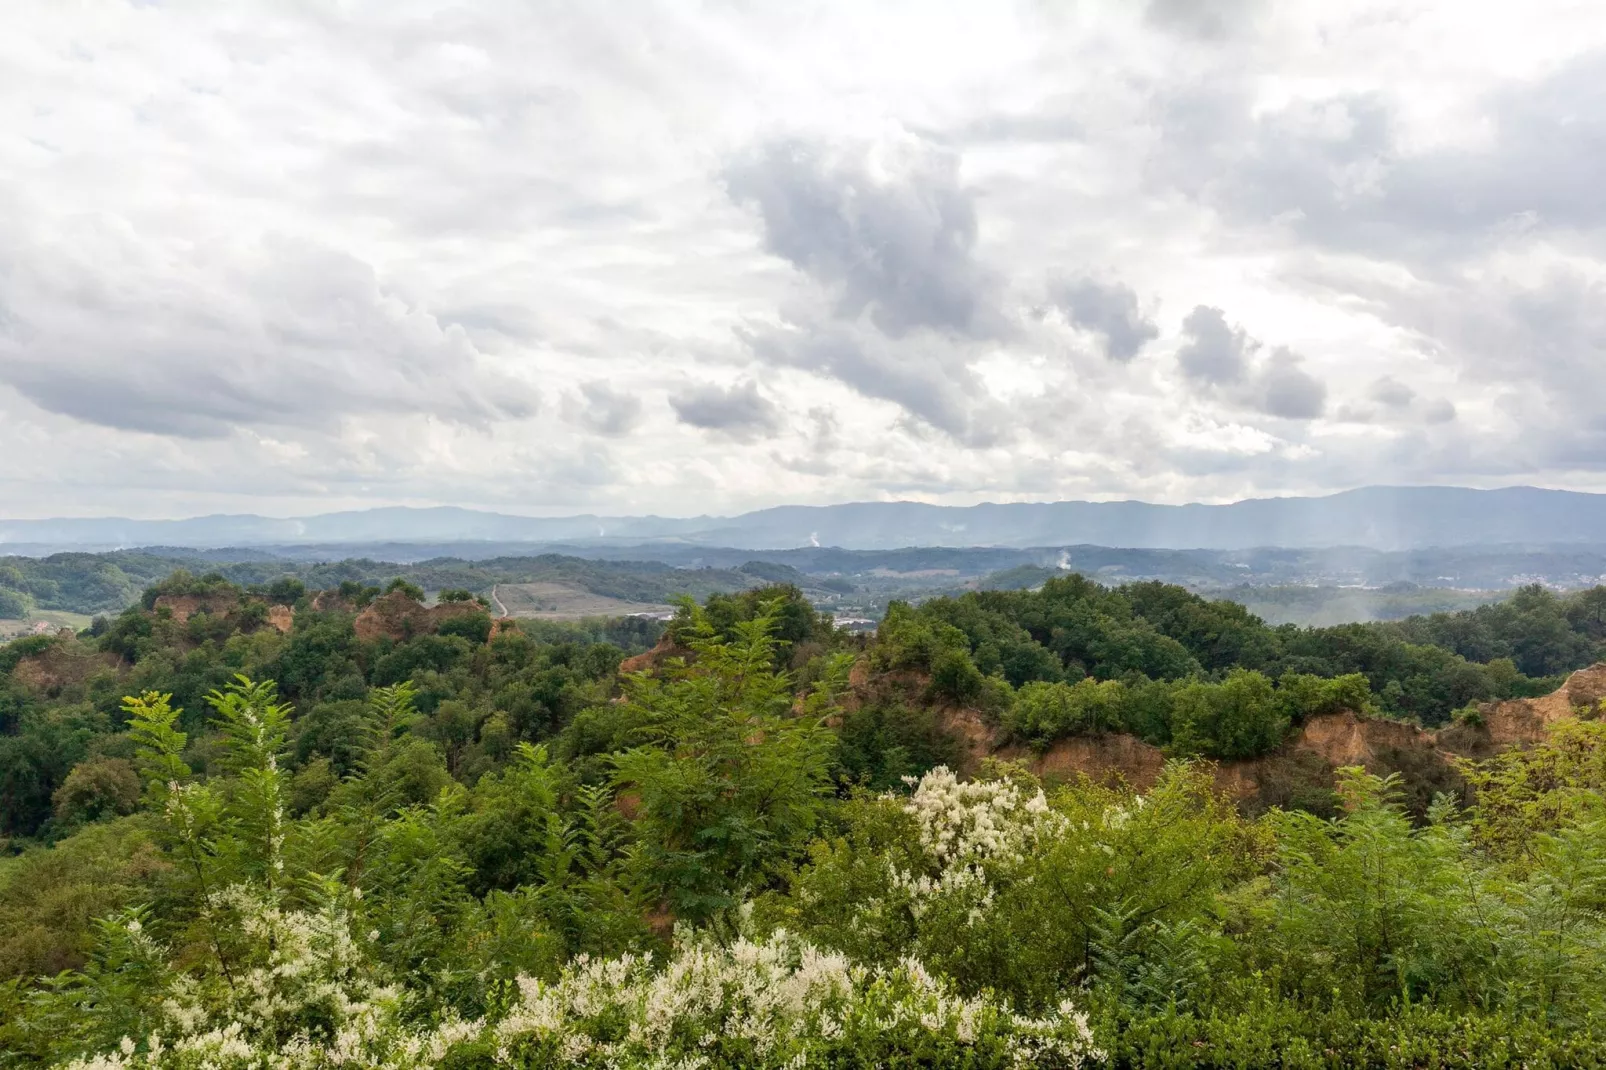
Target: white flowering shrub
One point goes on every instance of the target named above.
(969, 839)
(306, 998)
(779, 1002)
(308, 1004)
(1001, 887)
(973, 822)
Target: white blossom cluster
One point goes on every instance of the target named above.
(778, 1002)
(968, 832)
(311, 972)
(973, 821)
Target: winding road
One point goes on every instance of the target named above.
(501, 610)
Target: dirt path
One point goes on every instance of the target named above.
(501, 610)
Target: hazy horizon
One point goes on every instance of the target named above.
(555, 514)
(1393, 518)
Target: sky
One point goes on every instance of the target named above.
(686, 258)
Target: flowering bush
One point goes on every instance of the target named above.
(965, 822)
(309, 1002)
(305, 998)
(1004, 888)
(778, 1002)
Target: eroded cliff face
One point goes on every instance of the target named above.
(397, 617)
(1306, 764)
(65, 663)
(184, 606)
(652, 659)
(1103, 759)
(1522, 721)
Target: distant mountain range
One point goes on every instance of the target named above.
(1384, 518)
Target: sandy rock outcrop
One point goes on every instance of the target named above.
(65, 663)
(654, 658)
(1103, 759)
(1347, 738)
(397, 617)
(185, 606)
(1522, 722)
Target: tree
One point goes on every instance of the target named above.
(734, 782)
(100, 787)
(410, 590)
(1239, 718)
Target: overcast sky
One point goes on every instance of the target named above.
(686, 258)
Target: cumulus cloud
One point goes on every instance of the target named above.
(1391, 393)
(886, 228)
(1345, 172)
(738, 411)
(1208, 20)
(1221, 357)
(282, 333)
(1441, 411)
(1289, 391)
(931, 380)
(1538, 343)
(1381, 227)
(605, 410)
(897, 305)
(1107, 309)
(1213, 353)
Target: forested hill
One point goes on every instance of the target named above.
(109, 582)
(250, 822)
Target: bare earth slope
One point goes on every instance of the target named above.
(1306, 762)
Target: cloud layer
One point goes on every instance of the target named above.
(274, 258)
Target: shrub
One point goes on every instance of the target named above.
(100, 787)
(778, 1002)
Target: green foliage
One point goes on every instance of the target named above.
(880, 744)
(182, 583)
(461, 851)
(1242, 716)
(14, 603)
(473, 627)
(411, 590)
(733, 782)
(1070, 628)
(1047, 711)
(1525, 794)
(80, 583)
(50, 897)
(158, 744)
(49, 741)
(793, 624)
(100, 787)
(1238, 718)
(285, 591)
(1375, 911)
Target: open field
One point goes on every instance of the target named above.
(11, 628)
(1321, 607)
(561, 601)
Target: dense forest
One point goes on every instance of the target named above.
(254, 821)
(109, 582)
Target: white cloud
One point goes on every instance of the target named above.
(738, 412)
(286, 257)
